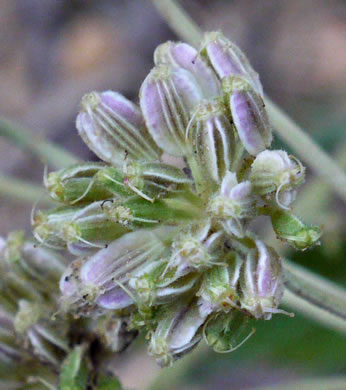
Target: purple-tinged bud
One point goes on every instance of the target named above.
(211, 136)
(224, 330)
(249, 115)
(233, 204)
(274, 171)
(261, 282)
(101, 278)
(113, 128)
(228, 60)
(167, 98)
(177, 332)
(182, 55)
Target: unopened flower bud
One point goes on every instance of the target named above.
(195, 249)
(211, 136)
(248, 113)
(113, 128)
(220, 284)
(182, 55)
(228, 60)
(225, 332)
(39, 266)
(168, 95)
(101, 278)
(274, 171)
(177, 332)
(261, 281)
(290, 228)
(77, 184)
(233, 204)
(88, 226)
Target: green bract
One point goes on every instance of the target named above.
(167, 247)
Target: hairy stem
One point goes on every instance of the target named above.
(315, 297)
(46, 151)
(321, 163)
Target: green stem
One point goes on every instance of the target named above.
(179, 21)
(333, 383)
(17, 189)
(46, 151)
(289, 131)
(319, 161)
(315, 297)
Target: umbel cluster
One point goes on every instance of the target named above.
(162, 227)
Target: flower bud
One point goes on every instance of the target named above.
(220, 284)
(261, 282)
(195, 248)
(113, 128)
(228, 60)
(248, 113)
(291, 229)
(182, 55)
(233, 204)
(211, 136)
(177, 332)
(223, 331)
(100, 279)
(152, 180)
(89, 227)
(38, 266)
(167, 97)
(276, 171)
(77, 184)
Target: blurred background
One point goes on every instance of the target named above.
(54, 51)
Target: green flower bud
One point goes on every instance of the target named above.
(274, 171)
(222, 331)
(195, 249)
(220, 284)
(77, 184)
(76, 228)
(291, 229)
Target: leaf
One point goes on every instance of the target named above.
(74, 374)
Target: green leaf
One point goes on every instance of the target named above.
(290, 228)
(74, 374)
(107, 382)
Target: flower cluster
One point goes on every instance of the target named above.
(36, 341)
(162, 227)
